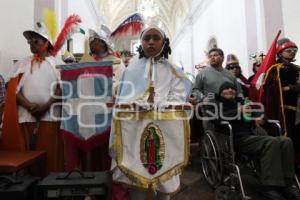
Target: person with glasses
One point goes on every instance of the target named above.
(279, 97)
(232, 64)
(33, 88)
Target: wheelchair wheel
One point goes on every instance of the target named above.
(226, 193)
(211, 162)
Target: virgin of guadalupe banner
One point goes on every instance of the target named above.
(157, 145)
(86, 89)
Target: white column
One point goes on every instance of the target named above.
(39, 6)
(291, 19)
(273, 19)
(251, 33)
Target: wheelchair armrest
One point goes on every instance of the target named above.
(227, 127)
(273, 126)
(272, 121)
(224, 123)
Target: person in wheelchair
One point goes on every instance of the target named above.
(275, 154)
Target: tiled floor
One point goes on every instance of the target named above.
(194, 187)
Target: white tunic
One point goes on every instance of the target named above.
(36, 86)
(169, 90)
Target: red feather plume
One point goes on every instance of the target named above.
(131, 26)
(69, 28)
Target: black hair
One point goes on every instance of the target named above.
(220, 51)
(165, 52)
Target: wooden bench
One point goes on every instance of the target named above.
(13, 161)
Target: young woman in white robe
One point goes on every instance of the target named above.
(151, 69)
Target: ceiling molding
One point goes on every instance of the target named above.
(115, 12)
(121, 18)
(194, 14)
(93, 7)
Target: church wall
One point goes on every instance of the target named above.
(291, 19)
(224, 21)
(86, 10)
(15, 17)
(239, 27)
(182, 51)
(273, 19)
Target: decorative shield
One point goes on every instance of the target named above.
(151, 147)
(87, 88)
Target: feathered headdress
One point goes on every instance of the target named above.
(71, 26)
(132, 26)
(103, 34)
(50, 21)
(256, 89)
(257, 57)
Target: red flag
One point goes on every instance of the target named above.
(256, 90)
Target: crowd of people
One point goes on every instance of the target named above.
(28, 98)
(279, 99)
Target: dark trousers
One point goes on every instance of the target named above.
(276, 157)
(293, 131)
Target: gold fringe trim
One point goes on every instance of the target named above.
(170, 115)
(144, 182)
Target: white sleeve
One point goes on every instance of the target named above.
(18, 68)
(177, 93)
(118, 70)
